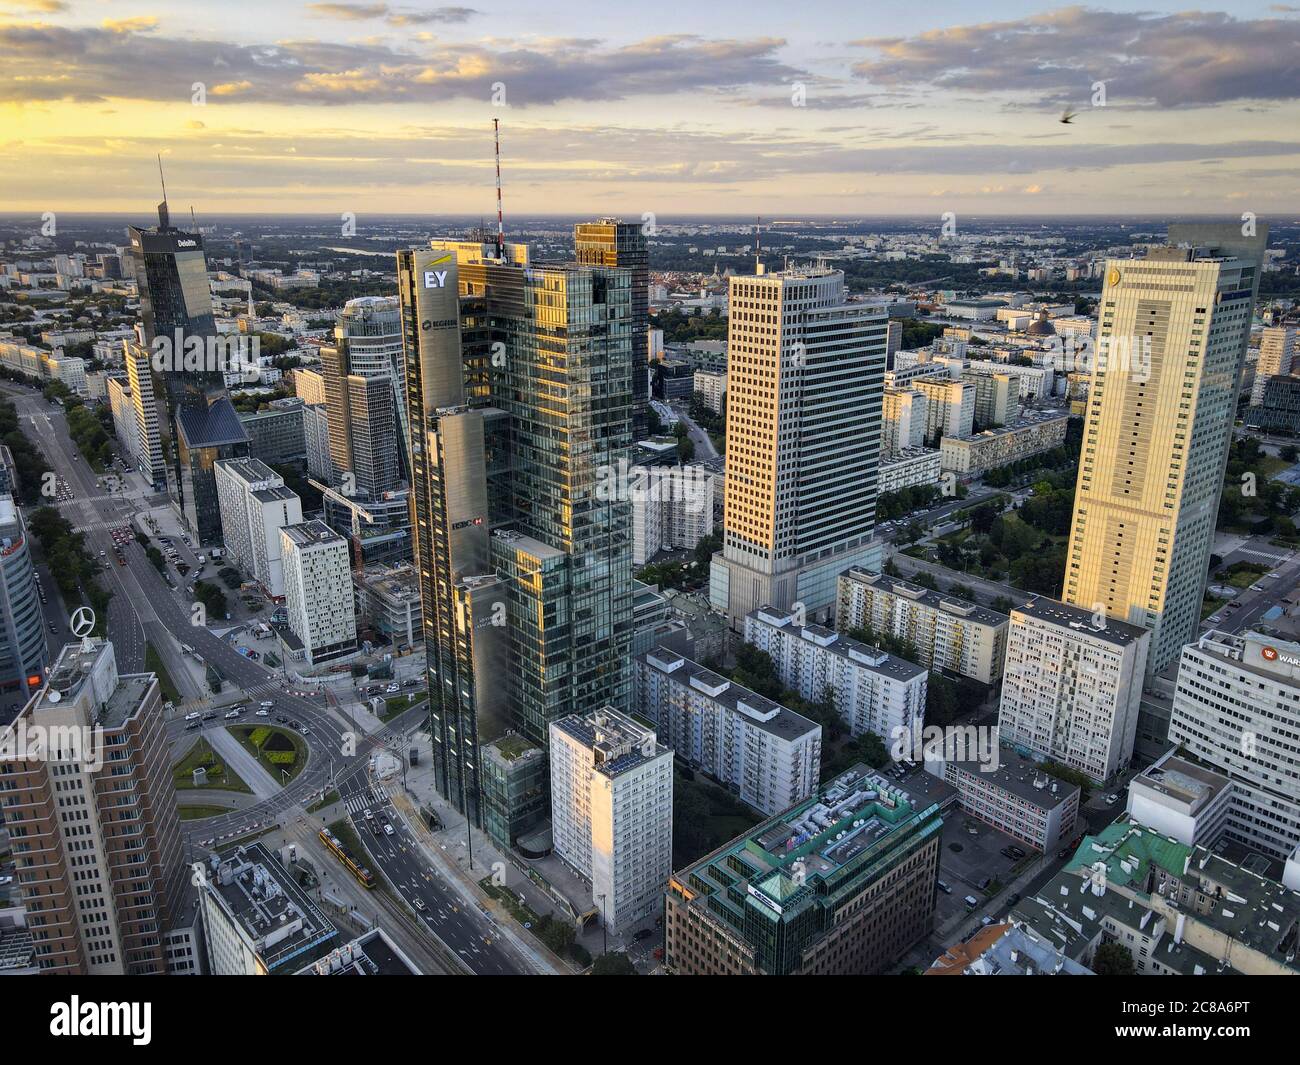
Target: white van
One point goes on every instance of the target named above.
(971, 902)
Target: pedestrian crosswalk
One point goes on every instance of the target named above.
(376, 795)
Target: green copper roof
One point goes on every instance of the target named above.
(1129, 851)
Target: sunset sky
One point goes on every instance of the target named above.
(634, 107)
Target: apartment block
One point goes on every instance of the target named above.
(672, 508)
(765, 753)
(1032, 434)
(255, 506)
(949, 634)
(843, 883)
(949, 407)
(1277, 356)
(612, 811)
(1072, 686)
(909, 467)
(902, 426)
(711, 387)
(318, 591)
(872, 691)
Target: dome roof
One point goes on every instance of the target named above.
(1041, 327)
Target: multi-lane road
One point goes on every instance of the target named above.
(145, 609)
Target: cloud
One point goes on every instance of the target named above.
(1184, 59)
(45, 62)
(393, 16)
(44, 7)
(135, 24)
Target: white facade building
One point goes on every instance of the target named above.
(903, 421)
(672, 508)
(769, 755)
(612, 811)
(318, 590)
(255, 506)
(1071, 687)
(912, 466)
(873, 691)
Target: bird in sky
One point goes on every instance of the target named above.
(1068, 116)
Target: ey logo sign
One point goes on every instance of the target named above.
(436, 278)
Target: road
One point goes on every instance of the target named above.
(704, 448)
(145, 606)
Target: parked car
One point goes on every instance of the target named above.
(1112, 798)
(971, 902)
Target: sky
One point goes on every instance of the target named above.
(771, 108)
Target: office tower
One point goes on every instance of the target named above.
(843, 883)
(948, 634)
(610, 242)
(1071, 686)
(765, 753)
(318, 592)
(1171, 339)
(117, 390)
(316, 439)
(870, 690)
(902, 420)
(22, 625)
(197, 423)
(276, 434)
(255, 506)
(612, 811)
(144, 406)
(463, 603)
(672, 508)
(805, 372)
(92, 814)
(949, 408)
(363, 377)
(1277, 350)
(552, 346)
(1236, 708)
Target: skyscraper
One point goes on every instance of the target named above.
(22, 632)
(805, 381)
(198, 424)
(521, 425)
(611, 242)
(1172, 337)
(90, 805)
(364, 378)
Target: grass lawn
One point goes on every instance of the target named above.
(1242, 578)
(280, 750)
(198, 813)
(220, 775)
(153, 661)
(1210, 604)
(328, 799)
(398, 704)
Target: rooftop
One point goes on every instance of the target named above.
(372, 954)
(1022, 777)
(309, 533)
(618, 744)
(861, 654)
(920, 594)
(1064, 615)
(763, 713)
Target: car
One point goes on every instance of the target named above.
(4, 880)
(191, 726)
(418, 903)
(369, 815)
(281, 718)
(1006, 852)
(942, 886)
(392, 689)
(971, 902)
(266, 704)
(1064, 852)
(1013, 898)
(388, 830)
(643, 934)
(986, 920)
(232, 714)
(305, 730)
(53, 627)
(294, 724)
(1112, 798)
(211, 715)
(264, 713)
(193, 717)
(1014, 852)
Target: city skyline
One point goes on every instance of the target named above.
(388, 108)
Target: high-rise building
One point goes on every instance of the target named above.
(612, 811)
(610, 242)
(1171, 341)
(903, 420)
(318, 591)
(1072, 686)
(672, 508)
(363, 378)
(255, 506)
(1237, 708)
(89, 804)
(148, 448)
(22, 625)
(197, 423)
(842, 883)
(949, 408)
(1277, 352)
(805, 376)
(316, 439)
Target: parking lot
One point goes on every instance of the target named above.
(972, 862)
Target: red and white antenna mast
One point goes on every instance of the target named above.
(501, 227)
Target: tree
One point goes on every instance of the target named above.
(1113, 959)
(1003, 604)
(685, 448)
(615, 964)
(1289, 453)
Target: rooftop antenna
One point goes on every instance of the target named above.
(758, 245)
(501, 228)
(193, 221)
(164, 218)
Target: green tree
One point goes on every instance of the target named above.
(614, 964)
(1113, 959)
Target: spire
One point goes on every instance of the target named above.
(501, 231)
(164, 217)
